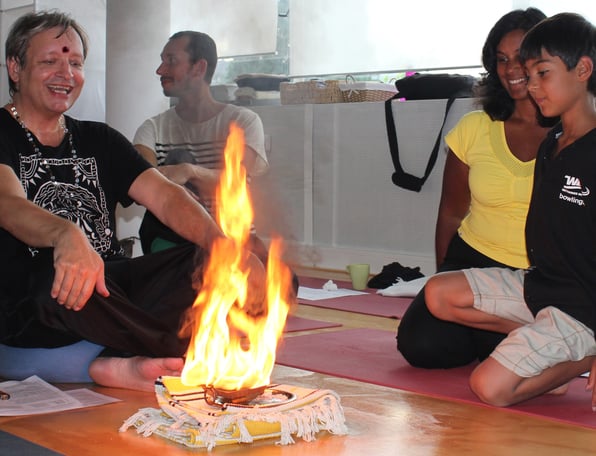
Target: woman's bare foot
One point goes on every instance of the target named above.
(136, 373)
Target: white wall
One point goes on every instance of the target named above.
(9, 11)
(329, 189)
(136, 33)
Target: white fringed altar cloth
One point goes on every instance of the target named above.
(186, 418)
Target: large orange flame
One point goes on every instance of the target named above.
(230, 349)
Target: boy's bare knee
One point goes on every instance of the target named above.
(437, 298)
(432, 296)
(488, 391)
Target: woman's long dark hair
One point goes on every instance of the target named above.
(494, 98)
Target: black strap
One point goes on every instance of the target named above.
(400, 177)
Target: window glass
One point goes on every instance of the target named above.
(380, 39)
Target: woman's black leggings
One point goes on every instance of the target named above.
(425, 341)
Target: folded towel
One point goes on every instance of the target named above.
(186, 418)
(392, 273)
(404, 289)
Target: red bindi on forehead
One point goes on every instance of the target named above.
(65, 49)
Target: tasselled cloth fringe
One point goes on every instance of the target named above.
(184, 417)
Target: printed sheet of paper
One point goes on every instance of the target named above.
(315, 294)
(34, 396)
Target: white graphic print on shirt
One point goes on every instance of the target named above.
(83, 204)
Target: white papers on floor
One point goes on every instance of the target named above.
(33, 396)
(329, 290)
(405, 289)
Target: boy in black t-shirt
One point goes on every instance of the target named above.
(549, 310)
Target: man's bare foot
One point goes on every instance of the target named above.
(136, 373)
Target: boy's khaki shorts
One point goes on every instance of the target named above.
(550, 338)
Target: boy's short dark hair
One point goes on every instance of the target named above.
(568, 36)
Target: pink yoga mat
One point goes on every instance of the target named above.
(370, 356)
(294, 323)
(370, 303)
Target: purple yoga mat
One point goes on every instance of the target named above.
(294, 324)
(370, 355)
(370, 303)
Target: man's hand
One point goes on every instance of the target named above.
(203, 180)
(78, 270)
(180, 173)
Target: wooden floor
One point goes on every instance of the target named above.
(381, 421)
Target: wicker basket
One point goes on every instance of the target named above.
(310, 92)
(366, 91)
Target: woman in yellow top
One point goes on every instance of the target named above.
(487, 184)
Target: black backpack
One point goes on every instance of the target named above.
(424, 87)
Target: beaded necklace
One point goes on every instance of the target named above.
(37, 151)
